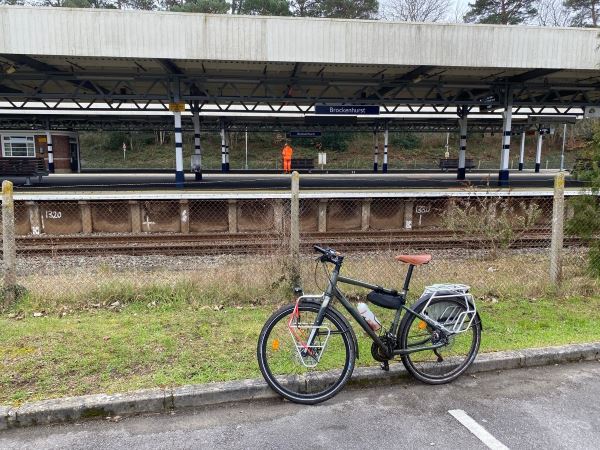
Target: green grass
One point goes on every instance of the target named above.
(180, 342)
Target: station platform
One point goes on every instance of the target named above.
(274, 182)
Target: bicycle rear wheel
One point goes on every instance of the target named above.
(301, 373)
(447, 362)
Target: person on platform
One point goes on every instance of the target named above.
(286, 154)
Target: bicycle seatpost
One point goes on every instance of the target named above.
(408, 277)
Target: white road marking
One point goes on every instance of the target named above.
(481, 433)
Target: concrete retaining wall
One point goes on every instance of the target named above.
(240, 215)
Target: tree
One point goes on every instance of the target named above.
(305, 8)
(346, 9)
(552, 13)
(146, 5)
(416, 10)
(203, 6)
(505, 12)
(265, 7)
(585, 12)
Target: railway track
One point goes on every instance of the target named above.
(248, 243)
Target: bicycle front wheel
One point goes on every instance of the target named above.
(457, 351)
(300, 372)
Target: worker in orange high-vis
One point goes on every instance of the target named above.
(286, 154)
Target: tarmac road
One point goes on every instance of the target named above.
(422, 180)
(551, 407)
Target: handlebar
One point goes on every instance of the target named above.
(329, 255)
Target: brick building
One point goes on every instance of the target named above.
(34, 144)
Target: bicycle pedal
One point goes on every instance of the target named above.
(385, 366)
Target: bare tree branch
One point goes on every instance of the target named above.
(553, 13)
(416, 10)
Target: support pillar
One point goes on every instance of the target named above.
(136, 216)
(34, 218)
(385, 148)
(295, 231)
(538, 153)
(278, 215)
(86, 217)
(408, 214)
(462, 151)
(223, 149)
(375, 152)
(322, 219)
(232, 215)
(558, 216)
(179, 177)
(366, 214)
(197, 157)
(227, 141)
(184, 216)
(50, 152)
(522, 153)
(505, 155)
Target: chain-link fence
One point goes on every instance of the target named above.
(235, 249)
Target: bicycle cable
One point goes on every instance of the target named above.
(325, 270)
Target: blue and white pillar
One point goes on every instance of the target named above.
(505, 155)
(227, 142)
(223, 149)
(50, 152)
(522, 154)
(462, 151)
(385, 147)
(197, 158)
(538, 153)
(179, 177)
(375, 151)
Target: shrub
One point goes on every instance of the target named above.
(407, 141)
(585, 222)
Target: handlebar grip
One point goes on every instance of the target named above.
(319, 249)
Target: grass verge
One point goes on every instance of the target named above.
(141, 345)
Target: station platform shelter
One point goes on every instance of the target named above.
(58, 150)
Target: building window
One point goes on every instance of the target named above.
(18, 147)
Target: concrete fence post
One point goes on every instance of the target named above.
(9, 247)
(295, 228)
(558, 216)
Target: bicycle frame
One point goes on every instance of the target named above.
(332, 291)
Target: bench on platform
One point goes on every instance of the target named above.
(452, 163)
(23, 167)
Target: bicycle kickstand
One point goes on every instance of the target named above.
(385, 366)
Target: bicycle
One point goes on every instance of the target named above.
(307, 350)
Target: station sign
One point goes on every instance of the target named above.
(302, 134)
(177, 107)
(348, 110)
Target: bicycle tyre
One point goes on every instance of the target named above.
(285, 373)
(425, 365)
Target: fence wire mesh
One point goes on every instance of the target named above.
(103, 253)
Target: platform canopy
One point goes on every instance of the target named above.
(64, 59)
